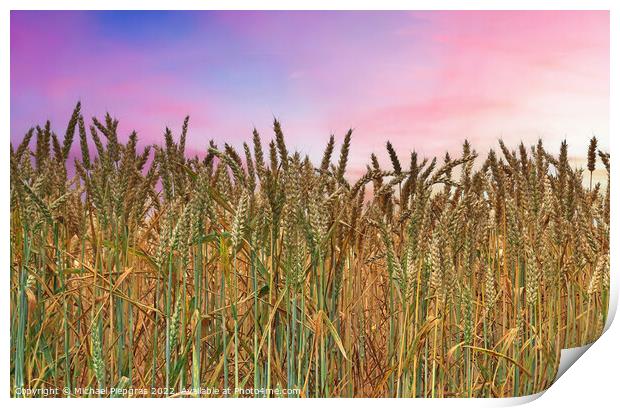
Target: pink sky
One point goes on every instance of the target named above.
(423, 80)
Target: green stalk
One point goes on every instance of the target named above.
(22, 310)
(236, 320)
(197, 304)
(224, 341)
(65, 319)
(168, 316)
(183, 318)
(155, 335)
(256, 325)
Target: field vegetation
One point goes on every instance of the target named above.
(426, 277)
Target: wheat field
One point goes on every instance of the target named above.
(261, 270)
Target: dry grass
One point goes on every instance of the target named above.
(458, 277)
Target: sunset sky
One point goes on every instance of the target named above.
(423, 80)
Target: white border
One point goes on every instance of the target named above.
(592, 381)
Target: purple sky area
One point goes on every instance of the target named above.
(424, 80)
